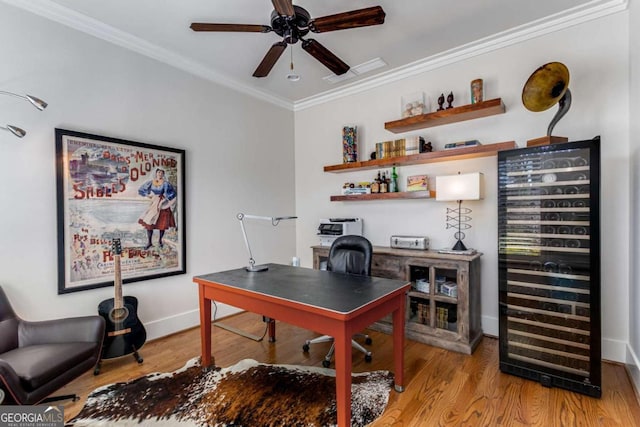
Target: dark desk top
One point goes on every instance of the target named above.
(328, 290)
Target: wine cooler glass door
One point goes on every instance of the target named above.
(549, 274)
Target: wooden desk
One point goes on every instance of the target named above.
(330, 303)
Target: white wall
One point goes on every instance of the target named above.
(239, 158)
(633, 357)
(596, 54)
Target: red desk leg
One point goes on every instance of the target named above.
(398, 343)
(343, 377)
(205, 327)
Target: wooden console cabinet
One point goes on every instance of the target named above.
(443, 306)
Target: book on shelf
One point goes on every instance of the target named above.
(442, 316)
(356, 190)
(462, 144)
(399, 147)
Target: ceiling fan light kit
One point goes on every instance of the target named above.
(293, 23)
(292, 76)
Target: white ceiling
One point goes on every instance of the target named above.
(415, 33)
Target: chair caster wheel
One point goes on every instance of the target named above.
(326, 363)
(368, 358)
(305, 348)
(368, 341)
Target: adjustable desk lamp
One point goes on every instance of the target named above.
(274, 221)
(253, 268)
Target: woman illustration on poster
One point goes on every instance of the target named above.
(158, 215)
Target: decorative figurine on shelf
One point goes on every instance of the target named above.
(477, 91)
(425, 148)
(441, 102)
(450, 100)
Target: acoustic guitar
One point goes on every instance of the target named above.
(124, 333)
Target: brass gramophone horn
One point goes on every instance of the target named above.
(547, 86)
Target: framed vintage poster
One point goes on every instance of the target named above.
(112, 188)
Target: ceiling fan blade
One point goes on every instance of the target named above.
(342, 21)
(203, 26)
(324, 55)
(283, 7)
(270, 59)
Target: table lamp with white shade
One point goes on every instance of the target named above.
(467, 186)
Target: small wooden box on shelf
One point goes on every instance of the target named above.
(443, 306)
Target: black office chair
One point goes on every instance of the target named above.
(348, 254)
(37, 358)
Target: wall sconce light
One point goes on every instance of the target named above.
(36, 102)
(274, 221)
(468, 186)
(14, 130)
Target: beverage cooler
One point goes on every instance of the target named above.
(549, 264)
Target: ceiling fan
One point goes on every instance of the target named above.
(293, 23)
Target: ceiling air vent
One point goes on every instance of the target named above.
(356, 70)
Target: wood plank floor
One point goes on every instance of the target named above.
(443, 388)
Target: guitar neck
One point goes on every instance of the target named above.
(117, 282)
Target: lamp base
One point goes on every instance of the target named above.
(459, 246)
(256, 268)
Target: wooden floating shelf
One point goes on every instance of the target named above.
(444, 117)
(432, 157)
(384, 196)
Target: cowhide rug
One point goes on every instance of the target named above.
(248, 394)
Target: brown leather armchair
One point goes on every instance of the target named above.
(37, 358)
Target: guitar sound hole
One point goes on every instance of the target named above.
(118, 314)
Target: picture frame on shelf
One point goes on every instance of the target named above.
(417, 183)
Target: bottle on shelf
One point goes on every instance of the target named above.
(375, 185)
(393, 185)
(383, 184)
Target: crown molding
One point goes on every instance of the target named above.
(589, 11)
(65, 16)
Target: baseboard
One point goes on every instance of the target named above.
(490, 326)
(633, 369)
(189, 319)
(613, 350)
